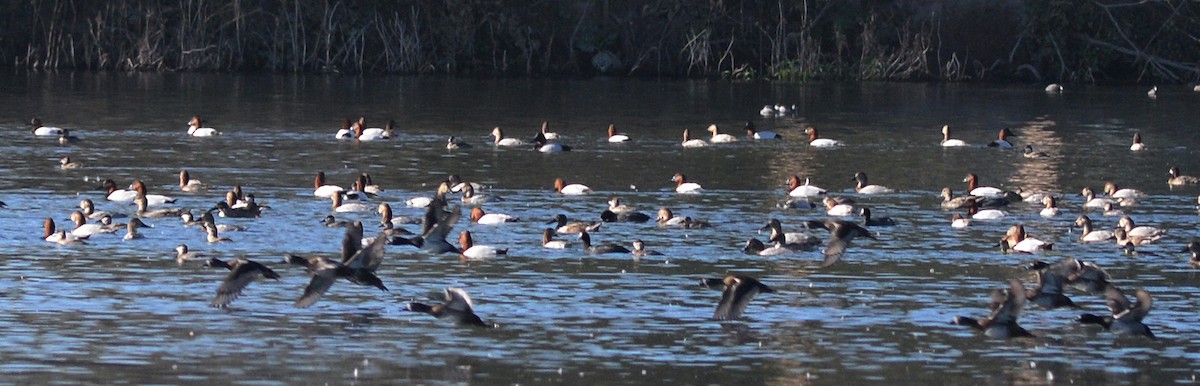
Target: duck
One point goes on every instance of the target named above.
(207, 219)
(143, 209)
(974, 189)
(1002, 140)
(106, 221)
(457, 184)
(182, 254)
(814, 140)
(688, 141)
(188, 184)
(1109, 210)
(1088, 235)
(548, 146)
(345, 132)
(131, 232)
(949, 201)
(1193, 247)
(66, 138)
(322, 190)
(1030, 153)
(950, 142)
(599, 249)
(438, 223)
(614, 136)
(84, 229)
(667, 219)
(242, 272)
(1032, 195)
(683, 186)
(358, 268)
(195, 128)
(469, 197)
(736, 293)
(362, 133)
(151, 199)
(774, 226)
(89, 209)
(1083, 275)
(1091, 201)
(1125, 318)
(875, 221)
(1153, 93)
(1051, 207)
(364, 188)
(1177, 179)
(1111, 189)
(1054, 88)
(388, 221)
(458, 309)
(1048, 293)
(66, 164)
(1137, 143)
(213, 234)
(1126, 223)
(719, 137)
(340, 206)
(455, 143)
(865, 188)
(500, 140)
(545, 131)
(639, 249)
(767, 111)
(58, 236)
(570, 190)
(224, 210)
(795, 189)
(1017, 240)
(1006, 306)
(472, 251)
(565, 226)
(779, 245)
(35, 127)
(118, 195)
(959, 222)
(833, 208)
(753, 132)
(615, 206)
(841, 233)
(637, 217)
(549, 242)
(479, 217)
(986, 214)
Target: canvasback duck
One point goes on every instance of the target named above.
(599, 249)
(815, 140)
(736, 292)
(456, 183)
(358, 268)
(388, 221)
(472, 251)
(151, 199)
(549, 242)
(66, 138)
(1091, 201)
(1030, 153)
(1088, 235)
(500, 140)
(986, 214)
(364, 188)
(479, 217)
(548, 146)
(1002, 139)
(719, 137)
(564, 226)
(346, 131)
(89, 209)
(1051, 208)
(469, 197)
(864, 187)
(118, 195)
(779, 244)
(35, 127)
(84, 229)
(362, 133)
(1126, 222)
(959, 222)
(1110, 211)
(682, 185)
(639, 249)
(66, 163)
(949, 201)
(795, 189)
(688, 141)
(1054, 88)
(614, 136)
(1016, 239)
(1124, 240)
(143, 209)
(131, 230)
(320, 189)
(188, 184)
(196, 129)
(667, 219)
(1177, 179)
(457, 309)
(341, 206)
(561, 186)
(834, 208)
(182, 254)
(875, 221)
(58, 236)
(1031, 195)
(455, 143)
(1137, 143)
(242, 272)
(207, 219)
(1006, 306)
(974, 189)
(841, 233)
(1124, 318)
(212, 234)
(1111, 189)
(224, 210)
(1153, 93)
(776, 227)
(753, 132)
(950, 142)
(767, 111)
(615, 206)
(546, 133)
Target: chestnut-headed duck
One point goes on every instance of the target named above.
(1051, 207)
(614, 136)
(119, 195)
(1002, 139)
(1125, 318)
(549, 242)
(89, 209)
(242, 272)
(151, 199)
(1111, 189)
(1177, 179)
(564, 226)
(1016, 239)
(341, 206)
(196, 129)
(469, 197)
(833, 208)
(754, 133)
(950, 142)
(1137, 143)
(472, 251)
(35, 127)
(59, 236)
(501, 140)
(66, 163)
(688, 141)
(959, 222)
(718, 137)
(795, 189)
(1006, 306)
(189, 184)
(1087, 234)
(131, 230)
(548, 146)
(479, 217)
(736, 292)
(84, 229)
(346, 131)
(682, 185)
(863, 187)
(456, 184)
(570, 189)
(320, 189)
(949, 201)
(546, 133)
(667, 219)
(363, 133)
(457, 309)
(815, 140)
(974, 189)
(388, 221)
(986, 214)
(776, 227)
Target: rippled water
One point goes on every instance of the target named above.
(117, 310)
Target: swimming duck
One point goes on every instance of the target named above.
(1109, 210)
(478, 217)
(458, 308)
(950, 142)
(182, 254)
(365, 187)
(320, 189)
(545, 131)
(1002, 140)
(340, 206)
(1088, 235)
(506, 142)
(549, 242)
(548, 146)
(455, 143)
(35, 127)
(753, 133)
(65, 163)
(767, 111)
(735, 295)
(345, 132)
(362, 133)
(60, 237)
(615, 205)
(1194, 248)
(1091, 201)
(224, 210)
(1124, 239)
(472, 251)
(1153, 93)
(83, 228)
(1030, 153)
(1005, 307)
(187, 184)
(241, 273)
(949, 201)
(358, 268)
(875, 221)
(66, 138)
(1126, 222)
(469, 197)
(1051, 208)
(119, 195)
(195, 129)
(387, 221)
(614, 136)
(131, 232)
(1126, 318)
(667, 219)
(572, 189)
(143, 211)
(840, 234)
(865, 188)
(564, 226)
(89, 210)
(974, 189)
(609, 216)
(1054, 88)
(1137, 143)
(986, 214)
(1111, 189)
(599, 249)
(1017, 240)
(213, 235)
(688, 141)
(815, 140)
(107, 223)
(806, 190)
(719, 137)
(682, 185)
(833, 208)
(1032, 195)
(151, 199)
(959, 222)
(1177, 179)
(775, 227)
(639, 249)
(207, 219)
(456, 184)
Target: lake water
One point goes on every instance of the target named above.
(125, 311)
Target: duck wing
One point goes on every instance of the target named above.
(242, 274)
(736, 296)
(370, 257)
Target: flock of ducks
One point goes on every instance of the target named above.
(360, 256)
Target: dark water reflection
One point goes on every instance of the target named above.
(125, 310)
